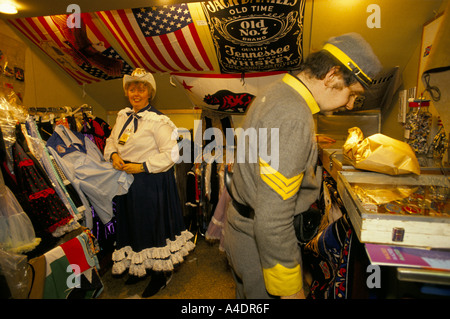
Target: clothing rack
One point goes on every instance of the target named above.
(61, 109)
(83, 109)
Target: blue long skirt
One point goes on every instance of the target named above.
(150, 229)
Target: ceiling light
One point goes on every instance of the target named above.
(8, 8)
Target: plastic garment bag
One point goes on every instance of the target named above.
(15, 272)
(9, 116)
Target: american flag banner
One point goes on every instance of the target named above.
(170, 38)
(226, 93)
(83, 52)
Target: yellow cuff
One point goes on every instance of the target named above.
(282, 281)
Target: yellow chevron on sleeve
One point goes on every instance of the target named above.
(283, 186)
(282, 281)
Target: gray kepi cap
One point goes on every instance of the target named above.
(356, 54)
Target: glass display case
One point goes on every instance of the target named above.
(411, 210)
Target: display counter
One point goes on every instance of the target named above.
(397, 210)
(332, 158)
(388, 212)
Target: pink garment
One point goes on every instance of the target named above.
(216, 225)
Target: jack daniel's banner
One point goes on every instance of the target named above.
(255, 36)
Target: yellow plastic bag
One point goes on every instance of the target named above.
(380, 153)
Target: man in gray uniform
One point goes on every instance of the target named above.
(260, 238)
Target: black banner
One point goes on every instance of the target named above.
(256, 35)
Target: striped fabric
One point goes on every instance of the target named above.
(84, 53)
(176, 38)
(161, 39)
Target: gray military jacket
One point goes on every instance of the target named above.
(278, 177)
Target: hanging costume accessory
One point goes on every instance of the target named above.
(356, 55)
(140, 75)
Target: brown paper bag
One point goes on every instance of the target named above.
(380, 153)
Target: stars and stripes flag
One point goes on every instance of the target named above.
(93, 61)
(166, 38)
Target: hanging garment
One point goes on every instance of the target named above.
(221, 121)
(195, 198)
(181, 171)
(211, 186)
(215, 229)
(37, 147)
(192, 193)
(328, 257)
(10, 181)
(95, 180)
(45, 205)
(16, 230)
(45, 129)
(62, 121)
(71, 191)
(55, 284)
(191, 204)
(38, 270)
(105, 233)
(97, 130)
(71, 270)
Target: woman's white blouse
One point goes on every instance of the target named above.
(154, 143)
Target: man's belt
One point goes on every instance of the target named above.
(306, 224)
(243, 210)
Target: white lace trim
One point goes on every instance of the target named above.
(156, 258)
(67, 228)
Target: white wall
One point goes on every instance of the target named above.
(46, 84)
